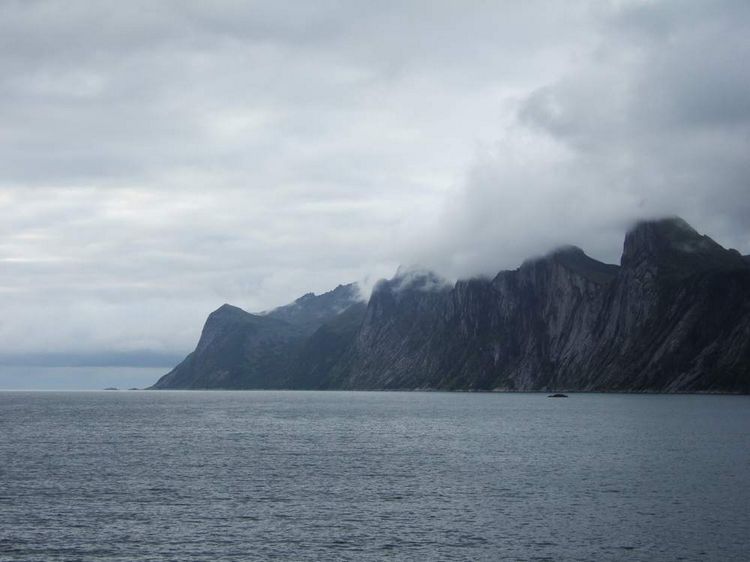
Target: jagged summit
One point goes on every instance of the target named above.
(676, 247)
(310, 310)
(227, 310)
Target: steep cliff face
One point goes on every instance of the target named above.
(512, 332)
(674, 316)
(677, 318)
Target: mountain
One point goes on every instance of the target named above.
(238, 349)
(674, 316)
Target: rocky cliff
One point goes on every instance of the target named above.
(673, 317)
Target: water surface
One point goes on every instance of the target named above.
(372, 476)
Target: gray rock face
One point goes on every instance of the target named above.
(673, 317)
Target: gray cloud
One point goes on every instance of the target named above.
(653, 120)
(159, 159)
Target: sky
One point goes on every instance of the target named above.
(158, 159)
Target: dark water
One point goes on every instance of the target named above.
(372, 476)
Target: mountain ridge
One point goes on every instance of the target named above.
(674, 316)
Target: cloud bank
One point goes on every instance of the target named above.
(653, 120)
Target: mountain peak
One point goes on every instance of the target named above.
(310, 310)
(575, 260)
(227, 309)
(567, 250)
(674, 245)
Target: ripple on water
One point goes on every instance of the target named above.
(371, 476)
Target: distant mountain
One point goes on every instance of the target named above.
(311, 311)
(673, 317)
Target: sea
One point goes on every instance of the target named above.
(231, 476)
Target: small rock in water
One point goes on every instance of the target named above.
(557, 396)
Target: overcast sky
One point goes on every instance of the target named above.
(158, 158)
